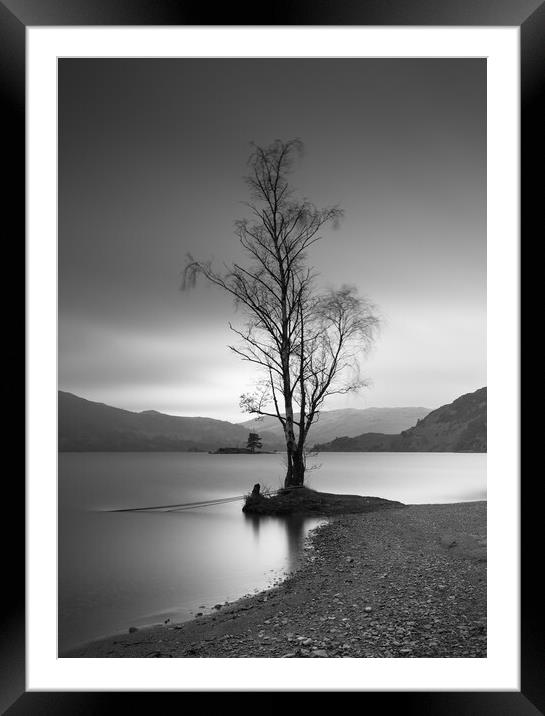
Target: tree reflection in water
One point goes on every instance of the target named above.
(296, 528)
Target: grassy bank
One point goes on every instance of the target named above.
(304, 501)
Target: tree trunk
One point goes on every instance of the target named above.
(295, 475)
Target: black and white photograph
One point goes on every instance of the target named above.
(272, 391)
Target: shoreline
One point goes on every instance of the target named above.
(407, 582)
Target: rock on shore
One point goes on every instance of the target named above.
(401, 583)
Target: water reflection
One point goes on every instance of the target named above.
(296, 528)
(295, 531)
(254, 522)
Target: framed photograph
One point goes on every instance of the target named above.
(274, 265)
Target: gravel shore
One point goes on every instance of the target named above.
(408, 582)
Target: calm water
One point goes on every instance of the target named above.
(128, 569)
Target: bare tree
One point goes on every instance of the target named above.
(307, 342)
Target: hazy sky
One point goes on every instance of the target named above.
(152, 155)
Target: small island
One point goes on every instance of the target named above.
(254, 442)
(240, 451)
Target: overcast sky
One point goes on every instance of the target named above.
(152, 155)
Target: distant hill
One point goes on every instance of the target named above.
(348, 422)
(84, 425)
(459, 426)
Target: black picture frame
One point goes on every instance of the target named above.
(15, 16)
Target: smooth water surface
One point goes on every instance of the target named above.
(122, 569)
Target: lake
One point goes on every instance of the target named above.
(123, 569)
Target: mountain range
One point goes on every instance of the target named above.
(84, 425)
(459, 426)
(348, 422)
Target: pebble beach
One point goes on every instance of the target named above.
(407, 582)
